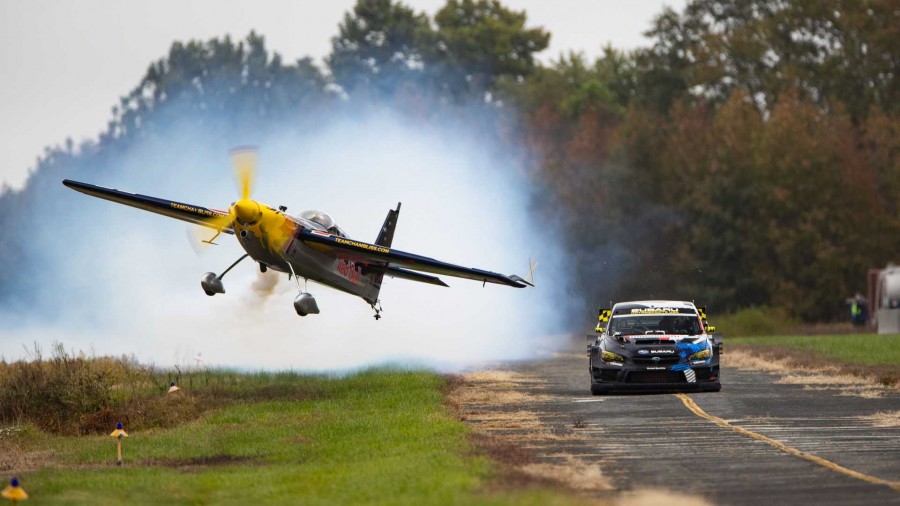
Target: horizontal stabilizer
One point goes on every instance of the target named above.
(396, 272)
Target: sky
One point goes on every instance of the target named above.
(65, 64)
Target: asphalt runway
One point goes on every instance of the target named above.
(755, 442)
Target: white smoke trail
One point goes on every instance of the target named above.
(126, 282)
(265, 283)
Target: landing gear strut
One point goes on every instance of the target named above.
(305, 303)
(377, 309)
(212, 284)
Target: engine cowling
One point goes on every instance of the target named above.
(212, 284)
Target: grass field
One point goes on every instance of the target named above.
(866, 349)
(376, 437)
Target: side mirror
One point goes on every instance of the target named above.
(598, 329)
(710, 329)
(590, 342)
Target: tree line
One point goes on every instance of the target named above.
(747, 156)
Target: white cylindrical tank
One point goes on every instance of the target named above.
(888, 314)
(890, 287)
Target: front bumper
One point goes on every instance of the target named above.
(637, 378)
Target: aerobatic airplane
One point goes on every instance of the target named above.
(309, 246)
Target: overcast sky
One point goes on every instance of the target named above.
(66, 63)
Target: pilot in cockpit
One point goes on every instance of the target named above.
(674, 325)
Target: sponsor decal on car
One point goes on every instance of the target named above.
(654, 310)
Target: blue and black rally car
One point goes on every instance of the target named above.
(654, 345)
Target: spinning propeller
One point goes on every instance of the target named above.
(245, 159)
(246, 210)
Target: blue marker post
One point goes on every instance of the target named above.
(14, 492)
(119, 434)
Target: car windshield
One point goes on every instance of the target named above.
(654, 324)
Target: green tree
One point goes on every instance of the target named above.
(480, 41)
(574, 86)
(379, 48)
(834, 53)
(220, 79)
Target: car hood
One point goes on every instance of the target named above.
(658, 344)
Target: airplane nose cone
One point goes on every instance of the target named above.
(247, 211)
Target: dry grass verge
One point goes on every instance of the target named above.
(657, 497)
(14, 459)
(499, 408)
(796, 368)
(570, 470)
(884, 419)
(775, 358)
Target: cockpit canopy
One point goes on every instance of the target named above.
(319, 217)
(322, 218)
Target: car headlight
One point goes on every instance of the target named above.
(700, 355)
(608, 356)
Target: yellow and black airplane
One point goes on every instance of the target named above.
(309, 246)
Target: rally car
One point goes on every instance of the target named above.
(654, 345)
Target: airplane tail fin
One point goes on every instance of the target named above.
(385, 238)
(386, 235)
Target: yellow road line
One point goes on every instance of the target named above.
(691, 405)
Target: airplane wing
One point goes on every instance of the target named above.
(399, 260)
(178, 210)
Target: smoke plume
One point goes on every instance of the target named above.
(265, 283)
(123, 281)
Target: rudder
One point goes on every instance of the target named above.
(386, 235)
(385, 238)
